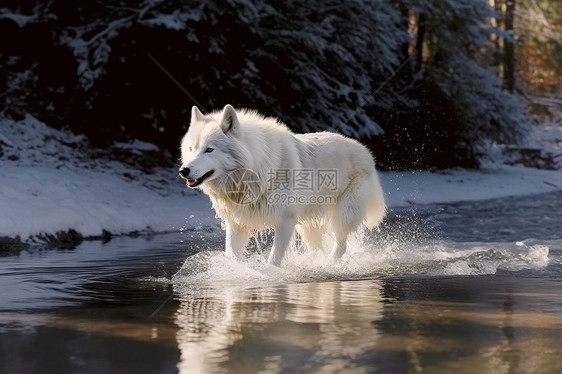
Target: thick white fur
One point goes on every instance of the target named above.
(241, 139)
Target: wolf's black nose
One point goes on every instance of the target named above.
(184, 173)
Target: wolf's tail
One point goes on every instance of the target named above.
(376, 207)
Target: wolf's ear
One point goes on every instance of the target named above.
(196, 115)
(229, 122)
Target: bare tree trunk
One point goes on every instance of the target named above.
(496, 40)
(420, 41)
(509, 47)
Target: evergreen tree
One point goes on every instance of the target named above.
(115, 68)
(461, 104)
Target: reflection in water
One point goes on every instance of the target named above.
(325, 325)
(487, 324)
(441, 325)
(396, 305)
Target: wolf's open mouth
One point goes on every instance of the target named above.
(196, 182)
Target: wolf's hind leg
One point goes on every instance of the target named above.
(349, 213)
(312, 236)
(339, 248)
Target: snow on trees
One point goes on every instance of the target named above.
(411, 78)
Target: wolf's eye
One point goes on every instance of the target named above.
(190, 149)
(209, 150)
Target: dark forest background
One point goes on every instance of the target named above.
(426, 84)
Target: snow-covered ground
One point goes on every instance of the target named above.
(50, 183)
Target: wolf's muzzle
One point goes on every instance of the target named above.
(184, 173)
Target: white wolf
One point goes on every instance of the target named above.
(258, 174)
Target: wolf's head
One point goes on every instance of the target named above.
(212, 146)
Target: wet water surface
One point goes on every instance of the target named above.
(437, 291)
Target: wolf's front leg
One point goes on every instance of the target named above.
(283, 234)
(236, 240)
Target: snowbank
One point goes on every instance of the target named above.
(49, 183)
(410, 188)
(35, 200)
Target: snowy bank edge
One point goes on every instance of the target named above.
(51, 190)
(107, 205)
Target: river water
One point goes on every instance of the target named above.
(464, 288)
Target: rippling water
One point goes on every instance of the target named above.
(472, 287)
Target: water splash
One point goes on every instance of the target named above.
(366, 258)
(494, 257)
